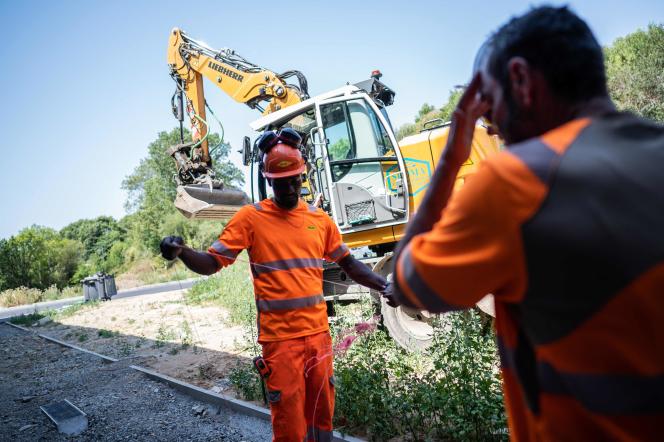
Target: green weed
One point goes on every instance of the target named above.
(125, 348)
(28, 319)
(164, 334)
(186, 336)
(106, 333)
(246, 381)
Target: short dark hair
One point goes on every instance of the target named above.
(557, 43)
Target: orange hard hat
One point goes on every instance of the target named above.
(282, 161)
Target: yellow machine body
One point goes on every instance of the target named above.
(421, 153)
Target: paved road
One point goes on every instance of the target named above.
(49, 305)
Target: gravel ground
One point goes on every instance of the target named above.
(121, 403)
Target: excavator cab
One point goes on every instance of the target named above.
(355, 172)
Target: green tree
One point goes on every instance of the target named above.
(445, 112)
(424, 111)
(339, 150)
(635, 72)
(428, 113)
(97, 235)
(38, 257)
(155, 173)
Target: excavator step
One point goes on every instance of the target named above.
(198, 201)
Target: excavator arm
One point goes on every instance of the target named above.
(243, 81)
(190, 61)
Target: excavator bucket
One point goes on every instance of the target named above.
(199, 201)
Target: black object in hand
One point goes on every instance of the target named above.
(169, 247)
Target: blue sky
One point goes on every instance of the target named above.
(85, 84)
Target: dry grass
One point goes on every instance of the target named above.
(25, 295)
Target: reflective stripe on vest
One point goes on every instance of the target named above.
(265, 305)
(339, 252)
(224, 251)
(285, 264)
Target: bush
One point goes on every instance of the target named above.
(246, 381)
(451, 391)
(116, 257)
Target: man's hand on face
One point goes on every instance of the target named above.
(171, 247)
(472, 106)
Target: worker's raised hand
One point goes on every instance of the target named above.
(171, 247)
(471, 106)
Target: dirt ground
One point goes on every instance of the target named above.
(161, 332)
(121, 404)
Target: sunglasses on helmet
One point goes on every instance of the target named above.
(286, 136)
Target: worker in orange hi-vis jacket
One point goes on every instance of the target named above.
(565, 227)
(287, 241)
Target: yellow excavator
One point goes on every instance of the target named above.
(369, 184)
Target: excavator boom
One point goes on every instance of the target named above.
(200, 193)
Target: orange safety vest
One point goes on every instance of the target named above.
(286, 250)
(567, 231)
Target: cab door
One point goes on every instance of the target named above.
(364, 170)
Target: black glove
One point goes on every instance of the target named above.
(388, 294)
(169, 247)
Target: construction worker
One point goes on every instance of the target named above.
(565, 227)
(287, 241)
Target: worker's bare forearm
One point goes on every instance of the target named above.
(361, 274)
(200, 262)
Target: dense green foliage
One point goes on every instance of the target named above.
(635, 72)
(38, 257)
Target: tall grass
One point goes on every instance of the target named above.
(232, 289)
(25, 295)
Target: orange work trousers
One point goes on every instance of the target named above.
(301, 388)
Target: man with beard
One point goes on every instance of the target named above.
(566, 229)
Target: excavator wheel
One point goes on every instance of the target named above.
(199, 201)
(411, 328)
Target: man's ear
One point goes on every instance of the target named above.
(521, 81)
